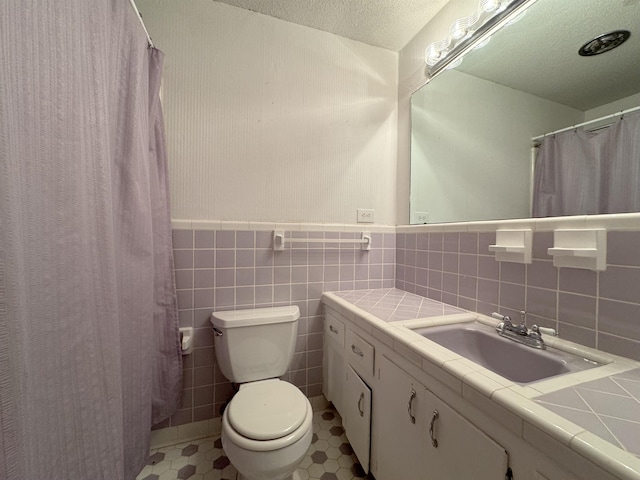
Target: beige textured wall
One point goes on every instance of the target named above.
(270, 121)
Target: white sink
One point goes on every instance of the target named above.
(519, 363)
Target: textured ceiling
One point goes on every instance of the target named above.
(389, 24)
(539, 54)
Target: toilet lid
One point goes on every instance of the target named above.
(267, 410)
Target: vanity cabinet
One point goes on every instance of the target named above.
(348, 358)
(471, 428)
(437, 442)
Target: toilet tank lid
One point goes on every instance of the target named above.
(262, 316)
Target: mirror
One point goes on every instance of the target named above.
(472, 153)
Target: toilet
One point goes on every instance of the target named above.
(268, 424)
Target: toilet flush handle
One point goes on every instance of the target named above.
(217, 332)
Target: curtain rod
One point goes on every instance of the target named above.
(135, 8)
(596, 120)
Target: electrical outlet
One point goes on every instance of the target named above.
(422, 217)
(365, 215)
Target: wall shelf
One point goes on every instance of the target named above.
(513, 245)
(582, 248)
(573, 252)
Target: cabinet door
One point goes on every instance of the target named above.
(356, 419)
(458, 448)
(442, 445)
(335, 376)
(400, 425)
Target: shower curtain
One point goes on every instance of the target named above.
(89, 348)
(580, 172)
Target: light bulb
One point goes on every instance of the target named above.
(490, 5)
(459, 29)
(432, 54)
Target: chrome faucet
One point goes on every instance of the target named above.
(535, 332)
(506, 325)
(519, 333)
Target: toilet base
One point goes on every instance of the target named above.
(295, 476)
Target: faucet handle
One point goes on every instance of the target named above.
(498, 316)
(546, 330)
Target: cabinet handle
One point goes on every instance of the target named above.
(410, 406)
(360, 404)
(333, 329)
(357, 351)
(432, 434)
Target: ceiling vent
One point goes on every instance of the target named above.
(604, 43)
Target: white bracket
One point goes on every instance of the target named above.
(580, 249)
(365, 241)
(278, 240)
(513, 245)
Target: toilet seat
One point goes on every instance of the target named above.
(267, 410)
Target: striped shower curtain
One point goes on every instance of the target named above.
(581, 172)
(89, 348)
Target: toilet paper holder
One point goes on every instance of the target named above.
(186, 340)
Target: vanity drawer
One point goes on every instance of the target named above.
(359, 353)
(334, 329)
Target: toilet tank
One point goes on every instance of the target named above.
(255, 344)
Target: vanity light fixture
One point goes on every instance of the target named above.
(487, 16)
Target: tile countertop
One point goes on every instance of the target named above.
(595, 413)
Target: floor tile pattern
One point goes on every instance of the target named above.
(608, 407)
(330, 457)
(392, 305)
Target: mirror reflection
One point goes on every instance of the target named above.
(477, 129)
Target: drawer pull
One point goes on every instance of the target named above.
(360, 402)
(412, 417)
(357, 351)
(432, 428)
(333, 329)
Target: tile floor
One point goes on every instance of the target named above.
(329, 457)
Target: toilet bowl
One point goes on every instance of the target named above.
(268, 424)
(267, 429)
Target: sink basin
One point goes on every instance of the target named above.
(519, 363)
